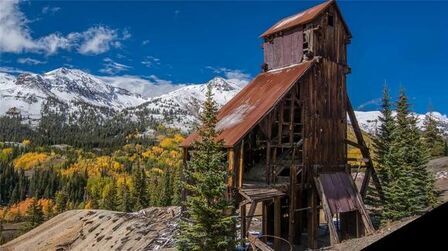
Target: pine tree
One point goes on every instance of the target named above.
(208, 223)
(35, 215)
(61, 201)
(410, 187)
(446, 148)
(432, 135)
(110, 197)
(125, 204)
(139, 191)
(383, 137)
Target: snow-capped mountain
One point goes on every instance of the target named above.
(368, 121)
(180, 108)
(27, 91)
(176, 108)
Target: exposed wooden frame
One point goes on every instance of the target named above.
(365, 153)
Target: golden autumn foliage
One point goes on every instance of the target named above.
(18, 210)
(26, 142)
(166, 154)
(30, 160)
(5, 154)
(95, 167)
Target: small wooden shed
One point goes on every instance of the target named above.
(285, 134)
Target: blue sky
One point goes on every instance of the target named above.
(403, 43)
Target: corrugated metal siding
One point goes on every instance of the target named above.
(284, 50)
(339, 192)
(250, 105)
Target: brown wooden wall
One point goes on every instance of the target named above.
(284, 50)
(323, 94)
(330, 41)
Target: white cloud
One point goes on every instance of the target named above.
(98, 40)
(30, 61)
(50, 10)
(151, 86)
(15, 35)
(376, 102)
(239, 77)
(145, 42)
(111, 67)
(12, 70)
(150, 61)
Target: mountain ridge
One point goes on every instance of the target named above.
(177, 105)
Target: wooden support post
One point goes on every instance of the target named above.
(334, 238)
(277, 223)
(313, 219)
(252, 208)
(291, 117)
(268, 148)
(365, 153)
(265, 221)
(368, 226)
(241, 165)
(231, 167)
(292, 204)
(243, 222)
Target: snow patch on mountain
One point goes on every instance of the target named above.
(175, 105)
(27, 92)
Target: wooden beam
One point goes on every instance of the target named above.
(252, 208)
(277, 223)
(313, 219)
(258, 244)
(241, 165)
(265, 220)
(334, 238)
(231, 166)
(363, 212)
(354, 144)
(292, 202)
(365, 153)
(243, 222)
(268, 148)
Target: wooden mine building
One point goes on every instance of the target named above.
(286, 134)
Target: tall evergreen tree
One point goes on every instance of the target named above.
(125, 202)
(409, 187)
(139, 191)
(445, 151)
(432, 135)
(208, 223)
(383, 138)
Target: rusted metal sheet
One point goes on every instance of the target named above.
(250, 105)
(339, 192)
(297, 19)
(284, 50)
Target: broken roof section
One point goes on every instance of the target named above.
(250, 105)
(301, 18)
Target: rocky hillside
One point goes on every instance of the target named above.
(148, 229)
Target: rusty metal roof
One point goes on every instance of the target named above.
(339, 191)
(303, 17)
(250, 105)
(297, 19)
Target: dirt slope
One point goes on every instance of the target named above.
(149, 229)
